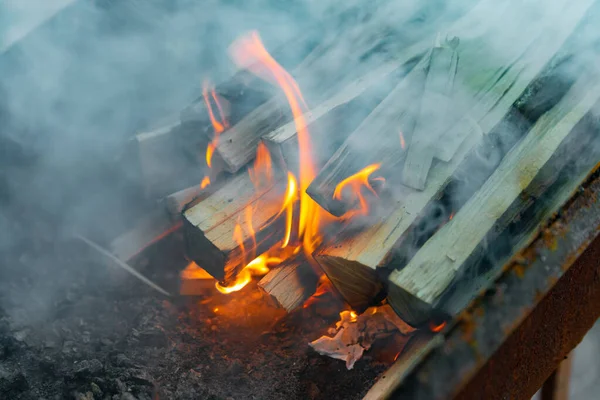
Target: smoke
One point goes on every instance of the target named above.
(75, 90)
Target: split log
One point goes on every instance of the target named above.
(376, 245)
(432, 119)
(487, 83)
(238, 145)
(290, 284)
(330, 123)
(210, 226)
(415, 291)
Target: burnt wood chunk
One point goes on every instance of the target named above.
(217, 231)
(290, 284)
(376, 246)
(432, 119)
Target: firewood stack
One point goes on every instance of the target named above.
(418, 122)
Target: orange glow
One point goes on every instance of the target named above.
(193, 271)
(248, 51)
(291, 195)
(402, 141)
(437, 327)
(355, 183)
(210, 149)
(451, 216)
(257, 267)
(205, 182)
(262, 171)
(217, 125)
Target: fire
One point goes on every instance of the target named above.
(249, 51)
(205, 182)
(437, 327)
(257, 267)
(218, 126)
(262, 171)
(208, 93)
(355, 183)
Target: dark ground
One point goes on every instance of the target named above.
(73, 327)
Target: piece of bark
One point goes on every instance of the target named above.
(330, 122)
(375, 246)
(415, 291)
(209, 226)
(432, 118)
(290, 284)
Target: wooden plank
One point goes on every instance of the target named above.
(432, 119)
(415, 290)
(210, 226)
(375, 246)
(290, 284)
(557, 385)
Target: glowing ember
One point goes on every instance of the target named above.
(354, 184)
(437, 327)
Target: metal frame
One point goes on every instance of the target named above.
(511, 339)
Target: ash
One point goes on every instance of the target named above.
(107, 336)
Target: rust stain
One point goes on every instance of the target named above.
(549, 239)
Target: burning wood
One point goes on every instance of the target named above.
(374, 247)
(332, 121)
(354, 334)
(226, 231)
(291, 283)
(416, 289)
(393, 117)
(432, 118)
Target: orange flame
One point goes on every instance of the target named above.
(437, 327)
(205, 182)
(402, 141)
(249, 51)
(218, 126)
(258, 266)
(262, 171)
(355, 183)
(288, 206)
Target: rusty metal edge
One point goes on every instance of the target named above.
(509, 340)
